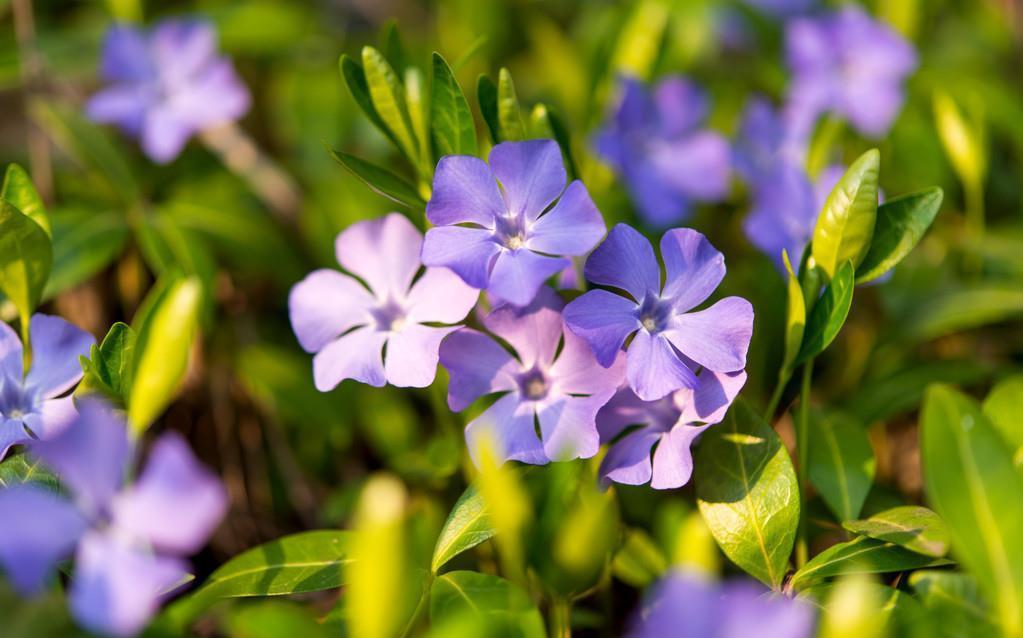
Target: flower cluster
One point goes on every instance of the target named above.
(640, 356)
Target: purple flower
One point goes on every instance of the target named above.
(670, 342)
(129, 540)
(688, 605)
(560, 388)
(849, 64)
(671, 423)
(767, 137)
(655, 142)
(166, 85)
(31, 405)
(491, 228)
(348, 323)
(782, 7)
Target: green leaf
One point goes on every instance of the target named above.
(25, 259)
(110, 364)
(640, 560)
(358, 86)
(493, 602)
(953, 602)
(860, 556)
(972, 483)
(388, 95)
(381, 180)
(953, 310)
(841, 463)
(84, 243)
(914, 527)
(486, 95)
(901, 223)
(748, 495)
(275, 619)
(467, 526)
(509, 115)
(846, 224)
(19, 469)
(19, 190)
(828, 314)
(1004, 406)
(640, 39)
(795, 319)
(163, 347)
(419, 114)
(544, 122)
(454, 131)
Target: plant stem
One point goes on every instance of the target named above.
(561, 614)
(772, 404)
(802, 448)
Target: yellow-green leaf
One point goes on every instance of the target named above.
(388, 97)
(509, 117)
(19, 190)
(845, 226)
(25, 260)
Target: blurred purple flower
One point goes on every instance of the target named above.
(688, 605)
(562, 389)
(656, 143)
(129, 540)
(670, 341)
(671, 423)
(31, 405)
(849, 64)
(491, 227)
(348, 322)
(166, 85)
(782, 8)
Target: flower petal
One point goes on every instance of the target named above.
(56, 346)
(604, 320)
(440, 295)
(577, 371)
(569, 426)
(654, 369)
(625, 260)
(54, 416)
(697, 166)
(533, 330)
(181, 48)
(12, 432)
(357, 355)
(39, 529)
(411, 359)
(628, 460)
(477, 365)
(125, 56)
(469, 252)
(325, 305)
(176, 503)
(693, 268)
(624, 409)
(464, 190)
(532, 174)
(383, 252)
(717, 337)
(658, 202)
(573, 227)
(681, 105)
(123, 105)
(165, 132)
(711, 398)
(10, 353)
(519, 274)
(507, 425)
(673, 458)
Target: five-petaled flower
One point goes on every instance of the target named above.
(348, 324)
(167, 85)
(655, 141)
(670, 341)
(491, 224)
(31, 405)
(560, 388)
(129, 539)
(671, 423)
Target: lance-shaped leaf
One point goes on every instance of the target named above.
(964, 140)
(486, 95)
(467, 526)
(358, 86)
(509, 116)
(85, 242)
(845, 225)
(488, 603)
(828, 314)
(388, 95)
(914, 527)
(451, 123)
(841, 463)
(748, 494)
(19, 190)
(972, 484)
(418, 109)
(795, 319)
(546, 123)
(25, 259)
(860, 556)
(639, 561)
(901, 223)
(108, 368)
(953, 603)
(381, 180)
(1004, 406)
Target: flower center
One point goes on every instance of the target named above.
(514, 242)
(390, 317)
(510, 231)
(533, 385)
(654, 313)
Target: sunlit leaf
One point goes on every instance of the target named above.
(1004, 406)
(509, 114)
(388, 95)
(381, 180)
(358, 86)
(911, 526)
(841, 463)
(901, 222)
(19, 190)
(25, 259)
(467, 526)
(860, 556)
(828, 314)
(953, 602)
(275, 619)
(109, 365)
(454, 131)
(492, 600)
(845, 226)
(795, 319)
(639, 561)
(19, 468)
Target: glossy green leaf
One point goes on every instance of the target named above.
(914, 527)
(381, 180)
(828, 314)
(953, 602)
(860, 556)
(545, 122)
(795, 318)
(275, 619)
(419, 115)
(509, 116)
(748, 495)
(163, 347)
(494, 601)
(845, 226)
(972, 484)
(19, 468)
(901, 223)
(841, 463)
(640, 560)
(25, 260)
(84, 243)
(358, 86)
(467, 526)
(388, 95)
(109, 365)
(1004, 406)
(19, 190)
(486, 95)
(454, 131)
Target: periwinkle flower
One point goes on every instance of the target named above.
(671, 424)
(166, 85)
(560, 388)
(670, 339)
(655, 140)
(349, 323)
(130, 540)
(31, 405)
(687, 604)
(848, 64)
(493, 226)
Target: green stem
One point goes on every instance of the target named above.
(772, 404)
(420, 610)
(560, 618)
(802, 448)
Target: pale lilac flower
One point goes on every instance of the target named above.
(349, 322)
(166, 85)
(491, 224)
(849, 64)
(560, 388)
(670, 340)
(129, 539)
(31, 405)
(686, 604)
(655, 140)
(671, 424)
